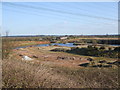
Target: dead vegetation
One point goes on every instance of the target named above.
(22, 74)
(45, 71)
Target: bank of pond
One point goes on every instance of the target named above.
(64, 44)
(90, 49)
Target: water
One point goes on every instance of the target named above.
(22, 47)
(59, 44)
(43, 45)
(115, 45)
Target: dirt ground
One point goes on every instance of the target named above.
(45, 56)
(49, 69)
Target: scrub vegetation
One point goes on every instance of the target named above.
(56, 66)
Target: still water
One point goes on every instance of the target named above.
(42, 45)
(59, 44)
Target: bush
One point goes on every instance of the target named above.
(117, 49)
(94, 51)
(102, 48)
(6, 48)
(59, 50)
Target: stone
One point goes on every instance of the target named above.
(34, 56)
(26, 58)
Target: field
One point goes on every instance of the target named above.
(60, 45)
(49, 69)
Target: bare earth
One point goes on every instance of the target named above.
(54, 70)
(45, 56)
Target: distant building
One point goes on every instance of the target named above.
(40, 39)
(63, 38)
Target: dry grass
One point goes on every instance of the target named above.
(23, 74)
(8, 45)
(94, 77)
(28, 75)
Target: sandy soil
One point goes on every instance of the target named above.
(45, 56)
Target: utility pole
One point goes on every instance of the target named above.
(7, 33)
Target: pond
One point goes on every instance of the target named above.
(42, 45)
(59, 44)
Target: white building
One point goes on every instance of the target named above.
(63, 37)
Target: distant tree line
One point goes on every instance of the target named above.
(94, 41)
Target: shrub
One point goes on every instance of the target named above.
(59, 50)
(6, 48)
(117, 49)
(102, 48)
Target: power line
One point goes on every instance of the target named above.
(97, 6)
(40, 14)
(63, 12)
(78, 8)
(33, 14)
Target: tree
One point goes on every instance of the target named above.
(117, 49)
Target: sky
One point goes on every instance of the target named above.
(60, 18)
